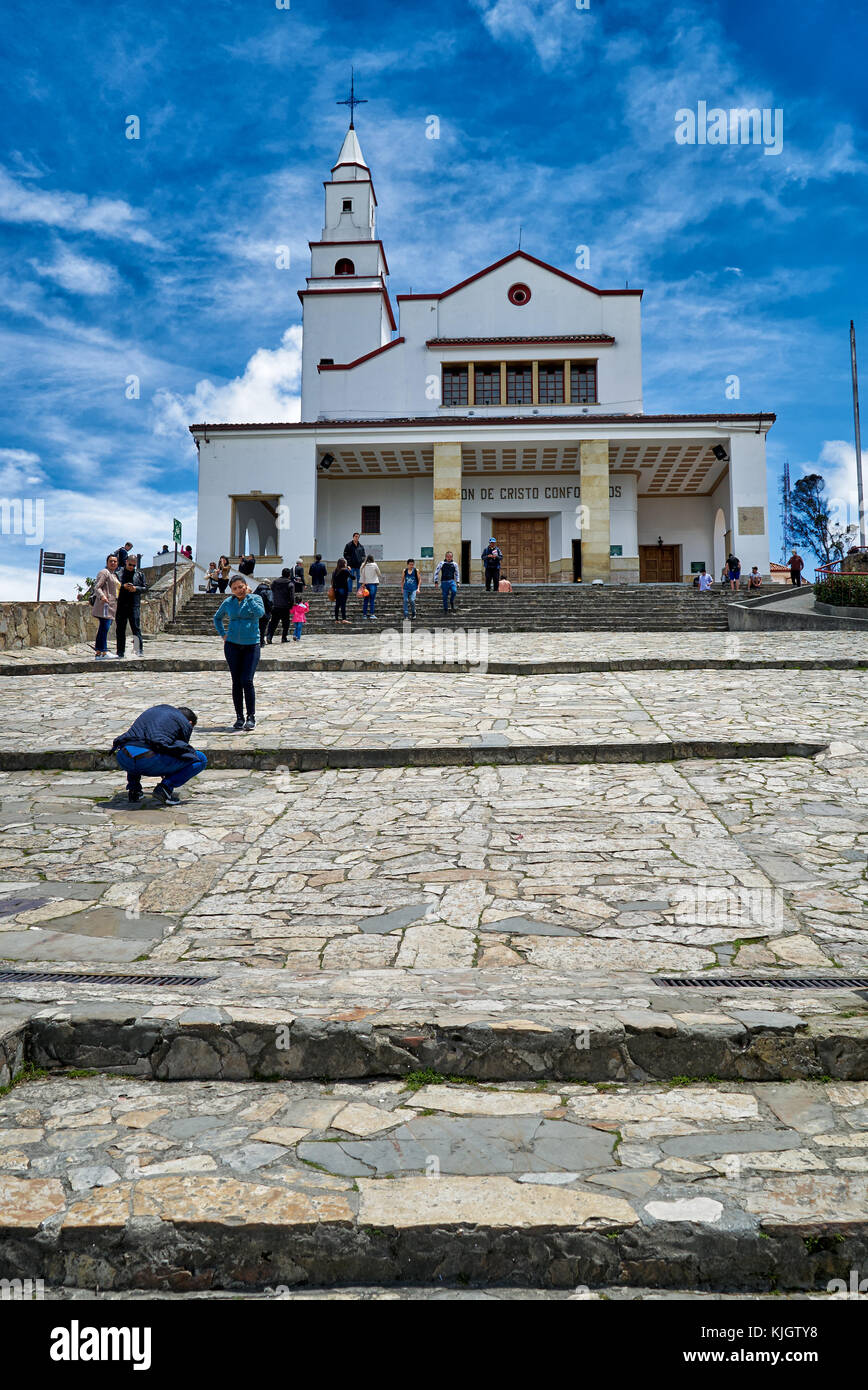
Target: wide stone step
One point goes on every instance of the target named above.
(113, 1183)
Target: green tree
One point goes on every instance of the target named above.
(810, 519)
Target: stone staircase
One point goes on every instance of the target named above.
(530, 608)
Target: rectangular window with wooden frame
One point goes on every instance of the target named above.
(583, 383)
(370, 521)
(487, 383)
(551, 383)
(519, 383)
(455, 385)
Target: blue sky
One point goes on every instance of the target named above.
(155, 258)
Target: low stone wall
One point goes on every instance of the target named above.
(60, 624)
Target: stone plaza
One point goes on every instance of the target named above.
(544, 974)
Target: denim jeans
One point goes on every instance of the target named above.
(369, 603)
(298, 629)
(172, 772)
(101, 642)
(242, 660)
(124, 616)
(410, 592)
(354, 575)
(448, 589)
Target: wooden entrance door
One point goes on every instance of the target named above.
(658, 564)
(525, 546)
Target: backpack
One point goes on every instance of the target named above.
(265, 594)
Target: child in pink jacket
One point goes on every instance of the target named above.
(298, 615)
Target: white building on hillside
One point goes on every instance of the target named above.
(509, 405)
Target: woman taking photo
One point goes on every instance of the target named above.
(241, 646)
(106, 588)
(341, 580)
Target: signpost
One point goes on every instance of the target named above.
(50, 562)
(176, 536)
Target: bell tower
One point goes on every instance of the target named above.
(346, 311)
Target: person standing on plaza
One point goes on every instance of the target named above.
(410, 586)
(354, 554)
(446, 575)
(796, 565)
(369, 574)
(318, 574)
(157, 744)
(492, 556)
(105, 602)
(243, 611)
(341, 582)
(282, 597)
(263, 591)
(733, 571)
(224, 569)
(132, 586)
(299, 614)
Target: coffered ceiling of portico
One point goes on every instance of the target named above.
(665, 467)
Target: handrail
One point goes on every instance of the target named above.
(833, 567)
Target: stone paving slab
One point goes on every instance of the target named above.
(675, 869)
(440, 1293)
(397, 710)
(520, 651)
(123, 1183)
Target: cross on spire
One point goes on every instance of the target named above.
(353, 101)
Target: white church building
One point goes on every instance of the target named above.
(509, 405)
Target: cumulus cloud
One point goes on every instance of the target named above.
(836, 463)
(550, 26)
(78, 274)
(268, 389)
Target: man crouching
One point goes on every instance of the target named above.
(157, 744)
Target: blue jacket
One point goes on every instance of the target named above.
(243, 619)
(163, 729)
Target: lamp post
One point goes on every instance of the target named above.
(858, 433)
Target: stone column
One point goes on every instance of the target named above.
(594, 464)
(447, 501)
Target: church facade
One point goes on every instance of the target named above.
(509, 405)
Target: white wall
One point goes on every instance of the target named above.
(748, 487)
(684, 521)
(283, 466)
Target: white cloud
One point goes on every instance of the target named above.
(550, 26)
(111, 217)
(268, 389)
(836, 463)
(78, 274)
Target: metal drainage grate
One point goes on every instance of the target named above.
(42, 977)
(766, 982)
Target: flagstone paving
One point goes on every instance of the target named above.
(754, 648)
(397, 709)
(353, 1178)
(677, 867)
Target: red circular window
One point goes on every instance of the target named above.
(519, 294)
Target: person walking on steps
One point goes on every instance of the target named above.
(341, 582)
(243, 612)
(105, 601)
(369, 575)
(317, 572)
(282, 598)
(492, 556)
(410, 586)
(733, 572)
(300, 610)
(446, 575)
(796, 565)
(354, 554)
(157, 744)
(132, 586)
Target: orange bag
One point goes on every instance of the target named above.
(364, 592)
